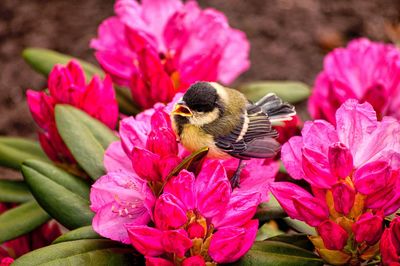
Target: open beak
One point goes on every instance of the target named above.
(182, 109)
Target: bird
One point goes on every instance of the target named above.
(224, 120)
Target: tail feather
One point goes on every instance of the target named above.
(275, 108)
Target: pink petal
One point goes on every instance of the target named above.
(333, 235)
(76, 73)
(182, 187)
(355, 122)
(133, 133)
(368, 228)
(146, 240)
(162, 141)
(176, 242)
(372, 177)
(285, 192)
(292, 157)
(145, 164)
(169, 212)
(343, 197)
(168, 164)
(311, 210)
(150, 261)
(316, 168)
(194, 261)
(230, 243)
(115, 159)
(340, 160)
(319, 135)
(241, 208)
(213, 189)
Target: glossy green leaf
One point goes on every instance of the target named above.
(189, 162)
(270, 210)
(13, 151)
(85, 232)
(81, 252)
(300, 240)
(290, 91)
(59, 194)
(300, 226)
(43, 60)
(268, 230)
(21, 220)
(103, 134)
(279, 254)
(80, 140)
(14, 191)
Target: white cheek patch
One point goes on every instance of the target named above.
(220, 91)
(201, 119)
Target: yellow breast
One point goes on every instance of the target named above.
(193, 138)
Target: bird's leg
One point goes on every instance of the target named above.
(235, 180)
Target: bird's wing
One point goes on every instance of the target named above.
(252, 138)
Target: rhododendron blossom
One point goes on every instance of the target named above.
(199, 219)
(364, 70)
(353, 173)
(66, 85)
(160, 47)
(390, 244)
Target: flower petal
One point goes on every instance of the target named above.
(146, 240)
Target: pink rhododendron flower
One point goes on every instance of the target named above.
(199, 217)
(289, 129)
(390, 244)
(353, 172)
(364, 70)
(160, 47)
(67, 85)
(40, 237)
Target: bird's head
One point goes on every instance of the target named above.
(200, 105)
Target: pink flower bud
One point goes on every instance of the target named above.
(194, 261)
(311, 210)
(195, 230)
(176, 241)
(162, 141)
(151, 261)
(340, 160)
(390, 243)
(145, 164)
(146, 240)
(169, 212)
(368, 228)
(333, 235)
(343, 197)
(6, 261)
(372, 177)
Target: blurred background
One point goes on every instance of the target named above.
(288, 38)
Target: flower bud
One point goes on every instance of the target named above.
(333, 235)
(368, 228)
(343, 197)
(311, 210)
(390, 243)
(340, 160)
(194, 261)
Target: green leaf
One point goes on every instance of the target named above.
(43, 60)
(270, 210)
(300, 226)
(300, 240)
(290, 91)
(267, 231)
(80, 140)
(85, 232)
(21, 220)
(63, 196)
(101, 132)
(13, 151)
(279, 254)
(80, 252)
(14, 191)
(189, 162)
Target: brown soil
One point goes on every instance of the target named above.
(288, 38)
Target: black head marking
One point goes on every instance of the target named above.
(201, 97)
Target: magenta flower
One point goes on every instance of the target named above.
(135, 168)
(390, 244)
(160, 47)
(199, 219)
(364, 70)
(353, 172)
(67, 85)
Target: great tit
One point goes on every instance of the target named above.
(222, 119)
